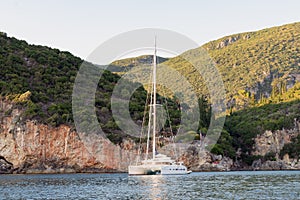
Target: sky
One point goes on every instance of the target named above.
(81, 26)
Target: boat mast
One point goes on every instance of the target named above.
(149, 122)
(154, 97)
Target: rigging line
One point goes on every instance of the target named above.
(154, 100)
(122, 72)
(144, 117)
(169, 120)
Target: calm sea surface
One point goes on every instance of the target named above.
(211, 185)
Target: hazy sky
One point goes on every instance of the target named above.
(80, 26)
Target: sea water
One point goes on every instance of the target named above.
(202, 185)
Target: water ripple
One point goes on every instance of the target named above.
(210, 185)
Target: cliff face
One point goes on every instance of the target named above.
(33, 147)
(273, 142)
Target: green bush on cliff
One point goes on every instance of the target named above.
(293, 148)
(245, 125)
(224, 145)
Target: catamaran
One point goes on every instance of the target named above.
(159, 163)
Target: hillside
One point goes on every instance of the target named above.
(40, 80)
(250, 63)
(127, 64)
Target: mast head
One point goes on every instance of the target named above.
(154, 55)
(155, 41)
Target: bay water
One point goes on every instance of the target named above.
(200, 185)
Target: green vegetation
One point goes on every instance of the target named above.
(224, 145)
(122, 66)
(293, 148)
(251, 64)
(40, 80)
(275, 113)
(257, 60)
(47, 74)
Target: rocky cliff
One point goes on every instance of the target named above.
(31, 147)
(271, 143)
(274, 141)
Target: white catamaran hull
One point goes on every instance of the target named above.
(153, 169)
(136, 170)
(143, 170)
(174, 170)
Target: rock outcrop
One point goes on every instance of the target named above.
(276, 165)
(272, 143)
(231, 40)
(197, 158)
(5, 166)
(31, 147)
(227, 42)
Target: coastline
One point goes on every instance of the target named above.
(102, 171)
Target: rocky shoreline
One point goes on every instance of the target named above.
(100, 171)
(214, 164)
